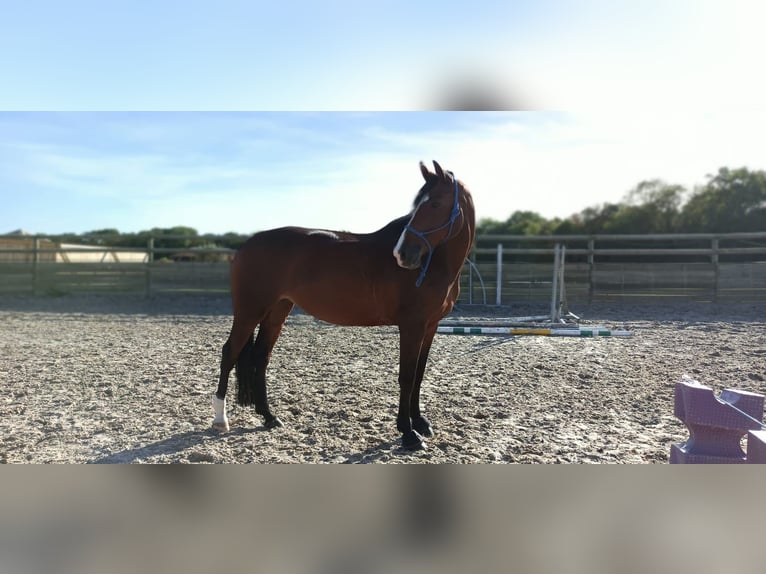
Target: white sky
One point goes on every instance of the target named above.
(248, 171)
(647, 89)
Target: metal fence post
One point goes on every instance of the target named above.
(35, 266)
(149, 261)
(499, 292)
(716, 268)
(591, 270)
(470, 281)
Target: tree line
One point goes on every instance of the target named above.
(733, 200)
(178, 237)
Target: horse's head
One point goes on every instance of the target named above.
(436, 217)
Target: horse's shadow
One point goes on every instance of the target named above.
(171, 445)
(378, 453)
(186, 440)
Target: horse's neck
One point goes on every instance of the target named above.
(465, 237)
(389, 233)
(466, 241)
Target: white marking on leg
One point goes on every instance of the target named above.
(220, 422)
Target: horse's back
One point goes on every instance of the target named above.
(338, 277)
(287, 236)
(331, 275)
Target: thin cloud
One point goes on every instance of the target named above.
(250, 171)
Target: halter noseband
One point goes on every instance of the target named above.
(423, 234)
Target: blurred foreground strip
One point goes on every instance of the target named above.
(380, 519)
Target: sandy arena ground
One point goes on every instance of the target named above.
(123, 380)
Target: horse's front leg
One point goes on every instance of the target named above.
(421, 424)
(410, 343)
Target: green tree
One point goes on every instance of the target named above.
(528, 223)
(490, 226)
(652, 206)
(519, 223)
(732, 200)
(232, 240)
(108, 236)
(178, 237)
(572, 225)
(596, 219)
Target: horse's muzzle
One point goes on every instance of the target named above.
(409, 257)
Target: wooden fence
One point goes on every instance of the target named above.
(601, 268)
(508, 269)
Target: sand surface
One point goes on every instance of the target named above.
(128, 380)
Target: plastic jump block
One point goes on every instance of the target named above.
(715, 427)
(756, 447)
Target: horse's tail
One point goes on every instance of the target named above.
(245, 371)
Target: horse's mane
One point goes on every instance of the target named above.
(392, 229)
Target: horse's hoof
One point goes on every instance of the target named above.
(423, 427)
(411, 440)
(273, 423)
(221, 426)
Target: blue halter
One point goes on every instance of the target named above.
(423, 234)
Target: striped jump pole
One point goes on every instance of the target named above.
(548, 332)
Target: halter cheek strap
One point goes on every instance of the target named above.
(423, 235)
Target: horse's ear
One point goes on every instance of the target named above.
(439, 170)
(427, 175)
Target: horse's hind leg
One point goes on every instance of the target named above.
(268, 333)
(241, 335)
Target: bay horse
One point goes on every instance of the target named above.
(405, 274)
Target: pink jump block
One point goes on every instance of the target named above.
(756, 447)
(716, 425)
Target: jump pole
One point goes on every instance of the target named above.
(555, 280)
(547, 332)
(561, 306)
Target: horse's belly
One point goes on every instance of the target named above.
(340, 313)
(344, 307)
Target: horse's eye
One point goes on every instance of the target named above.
(436, 204)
